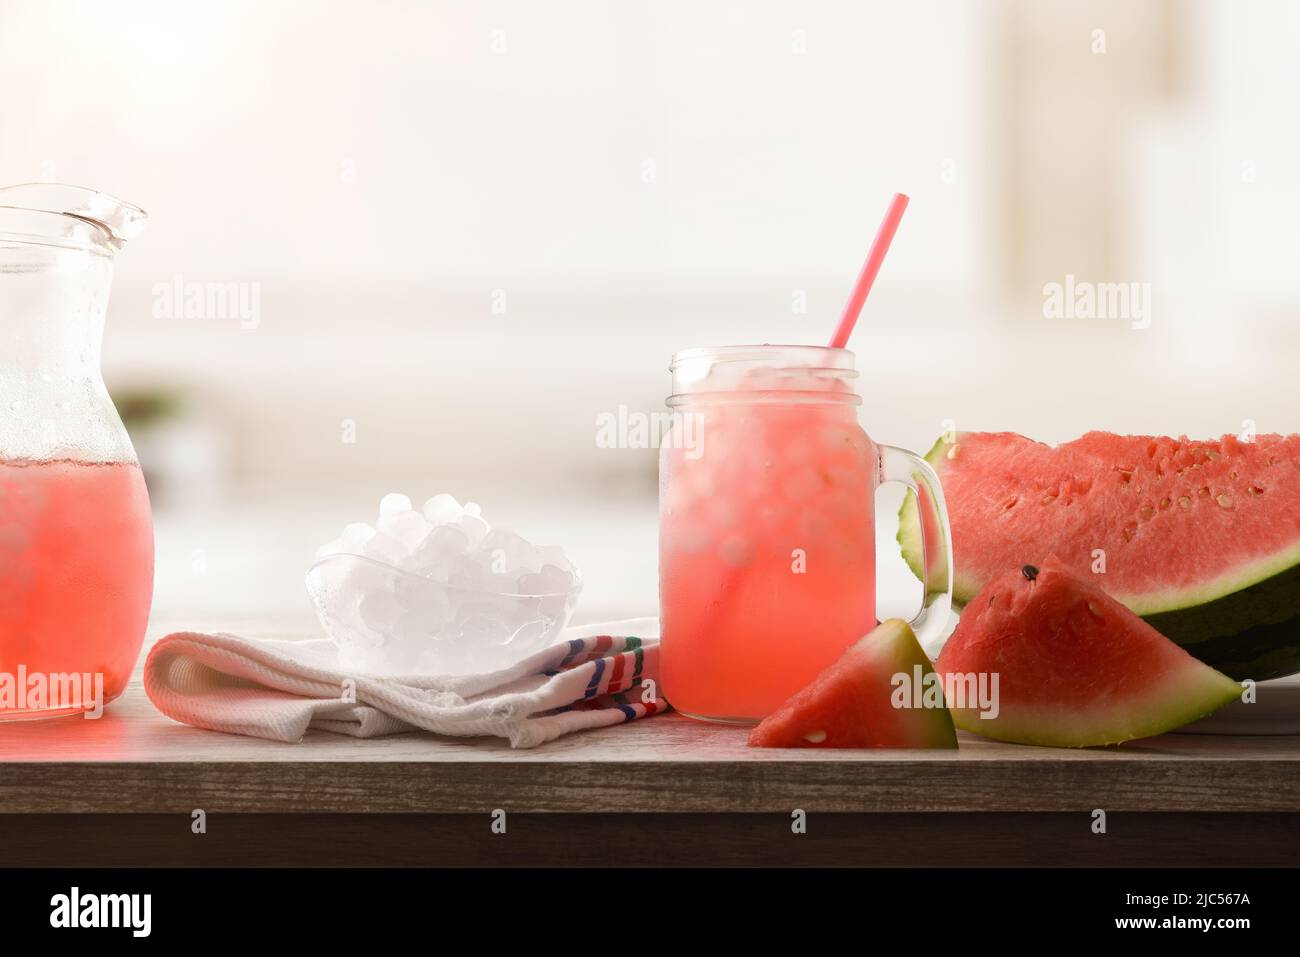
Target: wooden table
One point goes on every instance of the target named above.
(124, 790)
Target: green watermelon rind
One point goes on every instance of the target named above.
(909, 535)
(1199, 691)
(895, 643)
(1227, 586)
(1162, 688)
(1269, 648)
(1206, 620)
(909, 529)
(935, 725)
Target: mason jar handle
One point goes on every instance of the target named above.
(900, 465)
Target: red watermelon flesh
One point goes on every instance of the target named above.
(1074, 667)
(852, 703)
(1200, 537)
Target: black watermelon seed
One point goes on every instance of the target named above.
(1030, 572)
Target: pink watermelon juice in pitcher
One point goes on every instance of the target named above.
(76, 539)
(76, 571)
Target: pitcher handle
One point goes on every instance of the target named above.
(900, 465)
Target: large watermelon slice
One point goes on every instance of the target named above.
(1074, 667)
(868, 698)
(1201, 538)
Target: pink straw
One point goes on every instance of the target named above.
(885, 236)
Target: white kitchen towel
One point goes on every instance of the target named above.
(596, 675)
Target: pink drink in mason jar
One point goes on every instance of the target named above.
(767, 530)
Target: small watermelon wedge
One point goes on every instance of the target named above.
(1074, 668)
(853, 703)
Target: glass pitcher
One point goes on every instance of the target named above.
(767, 545)
(76, 537)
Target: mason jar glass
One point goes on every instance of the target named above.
(767, 563)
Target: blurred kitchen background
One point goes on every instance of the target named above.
(453, 234)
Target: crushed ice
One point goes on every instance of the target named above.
(438, 590)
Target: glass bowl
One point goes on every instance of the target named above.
(387, 621)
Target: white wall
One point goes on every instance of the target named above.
(379, 169)
(388, 139)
